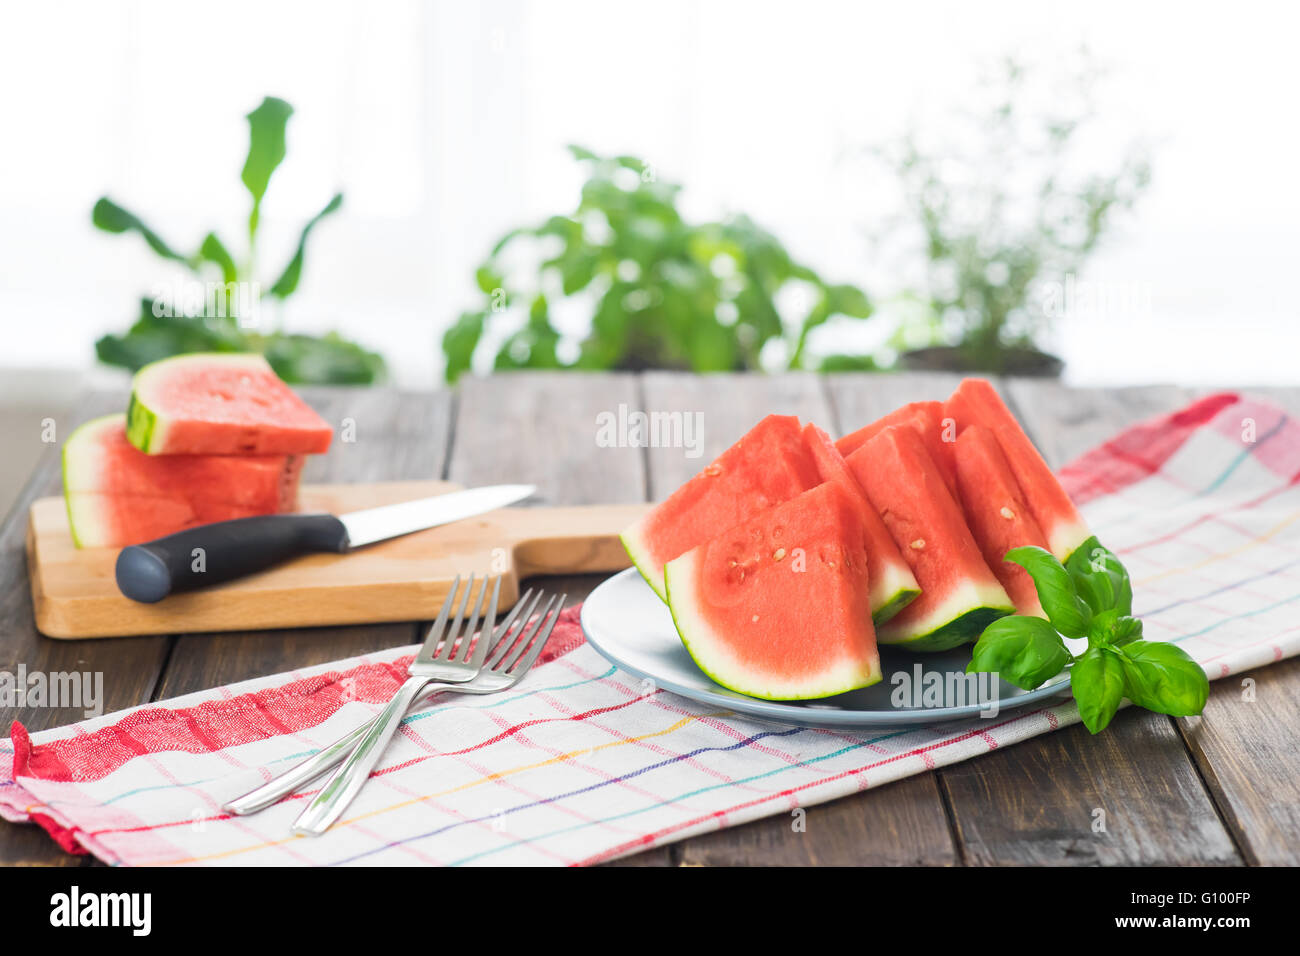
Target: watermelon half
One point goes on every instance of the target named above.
(997, 513)
(778, 607)
(220, 404)
(960, 596)
(117, 495)
(893, 586)
(976, 402)
(767, 466)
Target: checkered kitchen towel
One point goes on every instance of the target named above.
(582, 763)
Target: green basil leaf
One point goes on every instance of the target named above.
(1114, 629)
(1163, 678)
(1097, 679)
(1100, 578)
(1024, 651)
(1065, 609)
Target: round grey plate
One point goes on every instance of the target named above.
(626, 622)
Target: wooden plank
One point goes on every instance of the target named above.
(129, 668)
(542, 428)
(1035, 803)
(1245, 745)
(901, 823)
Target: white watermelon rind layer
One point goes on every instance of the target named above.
(723, 667)
(959, 620)
(634, 543)
(1065, 538)
(147, 428)
(84, 521)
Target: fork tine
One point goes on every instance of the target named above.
(440, 625)
(449, 641)
(522, 667)
(529, 634)
(471, 629)
(523, 611)
(485, 625)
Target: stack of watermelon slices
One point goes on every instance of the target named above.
(207, 437)
(790, 557)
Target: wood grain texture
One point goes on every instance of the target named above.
(1247, 747)
(859, 399)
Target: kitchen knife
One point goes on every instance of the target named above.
(212, 553)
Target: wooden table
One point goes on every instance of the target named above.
(1220, 789)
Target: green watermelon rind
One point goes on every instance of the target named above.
(681, 610)
(956, 622)
(146, 429)
(898, 598)
(634, 544)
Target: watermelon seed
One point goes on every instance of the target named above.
(713, 470)
(778, 554)
(918, 544)
(754, 619)
(1007, 513)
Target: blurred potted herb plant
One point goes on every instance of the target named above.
(220, 319)
(654, 290)
(999, 220)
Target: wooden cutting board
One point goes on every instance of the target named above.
(74, 593)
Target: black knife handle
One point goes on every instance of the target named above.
(212, 553)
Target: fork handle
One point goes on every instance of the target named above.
(341, 788)
(321, 762)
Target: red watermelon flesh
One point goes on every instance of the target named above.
(777, 607)
(117, 495)
(220, 404)
(960, 596)
(769, 465)
(893, 585)
(928, 419)
(997, 514)
(976, 402)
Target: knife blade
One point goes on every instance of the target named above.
(225, 550)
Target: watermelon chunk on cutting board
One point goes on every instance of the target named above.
(929, 421)
(997, 514)
(777, 607)
(767, 466)
(220, 404)
(893, 586)
(960, 596)
(976, 402)
(117, 495)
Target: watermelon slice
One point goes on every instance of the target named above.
(893, 586)
(976, 402)
(997, 514)
(778, 606)
(959, 594)
(117, 495)
(220, 404)
(929, 421)
(767, 466)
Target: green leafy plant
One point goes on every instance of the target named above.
(1010, 208)
(164, 328)
(653, 290)
(1090, 596)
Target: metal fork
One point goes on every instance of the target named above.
(499, 673)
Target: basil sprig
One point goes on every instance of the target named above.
(1090, 596)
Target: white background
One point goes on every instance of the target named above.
(445, 124)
